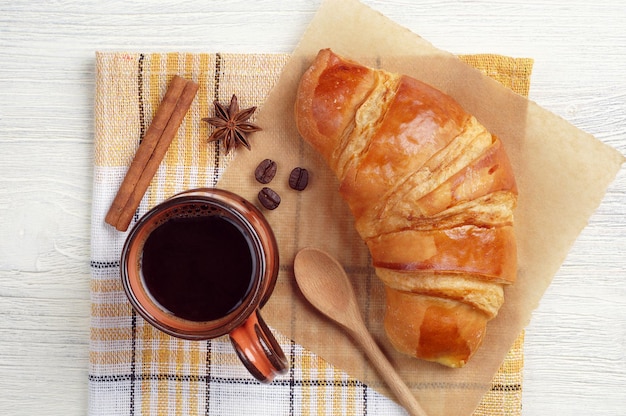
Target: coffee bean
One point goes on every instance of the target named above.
(299, 179)
(264, 173)
(269, 198)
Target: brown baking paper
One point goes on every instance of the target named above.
(562, 174)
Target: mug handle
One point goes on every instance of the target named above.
(258, 350)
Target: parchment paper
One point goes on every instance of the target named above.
(561, 171)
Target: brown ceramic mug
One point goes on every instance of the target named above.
(201, 265)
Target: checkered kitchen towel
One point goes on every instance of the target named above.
(135, 369)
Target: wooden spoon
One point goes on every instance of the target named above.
(325, 284)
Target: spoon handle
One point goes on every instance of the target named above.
(387, 372)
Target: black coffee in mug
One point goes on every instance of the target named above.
(198, 267)
(201, 265)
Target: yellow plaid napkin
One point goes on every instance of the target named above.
(135, 369)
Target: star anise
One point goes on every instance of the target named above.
(231, 125)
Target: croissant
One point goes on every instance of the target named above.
(432, 193)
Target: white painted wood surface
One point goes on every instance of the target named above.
(576, 343)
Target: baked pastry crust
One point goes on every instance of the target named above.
(432, 193)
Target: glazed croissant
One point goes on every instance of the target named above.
(432, 193)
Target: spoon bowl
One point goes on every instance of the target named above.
(322, 280)
(324, 283)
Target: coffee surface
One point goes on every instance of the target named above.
(198, 268)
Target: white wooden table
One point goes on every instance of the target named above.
(575, 362)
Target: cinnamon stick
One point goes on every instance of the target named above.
(160, 133)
